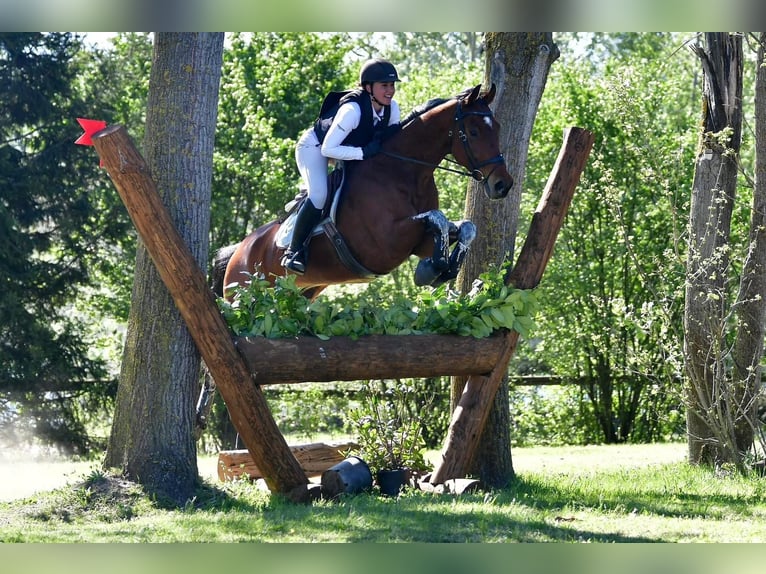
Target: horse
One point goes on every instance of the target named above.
(388, 210)
(389, 205)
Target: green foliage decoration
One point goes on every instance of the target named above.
(389, 436)
(259, 309)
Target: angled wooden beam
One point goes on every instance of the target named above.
(187, 285)
(471, 413)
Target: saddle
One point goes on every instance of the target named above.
(335, 182)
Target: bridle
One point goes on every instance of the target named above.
(475, 167)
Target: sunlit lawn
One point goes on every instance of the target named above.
(628, 493)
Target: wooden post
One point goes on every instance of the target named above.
(186, 283)
(471, 414)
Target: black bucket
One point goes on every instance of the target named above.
(349, 476)
(391, 482)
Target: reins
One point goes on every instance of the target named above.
(475, 172)
(434, 165)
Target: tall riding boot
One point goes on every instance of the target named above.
(294, 258)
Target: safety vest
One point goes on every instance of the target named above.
(364, 132)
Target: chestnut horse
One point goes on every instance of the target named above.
(387, 211)
(389, 208)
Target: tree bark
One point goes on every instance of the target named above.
(518, 64)
(469, 419)
(751, 310)
(152, 438)
(710, 412)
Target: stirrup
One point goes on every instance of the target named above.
(292, 261)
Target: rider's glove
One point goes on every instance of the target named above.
(371, 149)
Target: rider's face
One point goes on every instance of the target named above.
(383, 92)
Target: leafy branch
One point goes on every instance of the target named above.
(279, 311)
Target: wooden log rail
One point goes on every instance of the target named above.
(309, 359)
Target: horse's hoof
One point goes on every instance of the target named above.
(443, 278)
(425, 273)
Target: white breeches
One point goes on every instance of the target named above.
(312, 166)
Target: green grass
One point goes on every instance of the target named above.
(577, 494)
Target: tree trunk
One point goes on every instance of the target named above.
(518, 64)
(152, 439)
(751, 311)
(469, 419)
(710, 411)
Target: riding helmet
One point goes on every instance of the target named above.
(378, 70)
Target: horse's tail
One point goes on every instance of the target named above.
(220, 261)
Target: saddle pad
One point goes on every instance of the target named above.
(285, 233)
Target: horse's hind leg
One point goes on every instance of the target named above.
(204, 403)
(430, 268)
(465, 233)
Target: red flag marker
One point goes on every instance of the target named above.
(90, 127)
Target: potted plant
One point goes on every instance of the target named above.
(389, 435)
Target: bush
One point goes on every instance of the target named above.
(388, 432)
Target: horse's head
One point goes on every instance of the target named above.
(476, 142)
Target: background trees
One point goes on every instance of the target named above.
(48, 227)
(613, 295)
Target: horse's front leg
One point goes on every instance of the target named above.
(430, 268)
(465, 232)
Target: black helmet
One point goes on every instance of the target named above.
(378, 70)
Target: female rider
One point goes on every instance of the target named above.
(352, 133)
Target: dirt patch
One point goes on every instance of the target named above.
(99, 496)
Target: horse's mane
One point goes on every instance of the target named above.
(429, 105)
(423, 108)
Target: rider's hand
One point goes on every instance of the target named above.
(371, 149)
(389, 131)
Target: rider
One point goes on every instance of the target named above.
(351, 135)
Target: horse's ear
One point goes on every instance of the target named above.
(472, 96)
(490, 95)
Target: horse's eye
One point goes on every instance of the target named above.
(474, 133)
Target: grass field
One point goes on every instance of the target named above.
(22, 478)
(627, 493)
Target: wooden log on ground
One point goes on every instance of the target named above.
(471, 414)
(309, 359)
(314, 459)
(186, 283)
